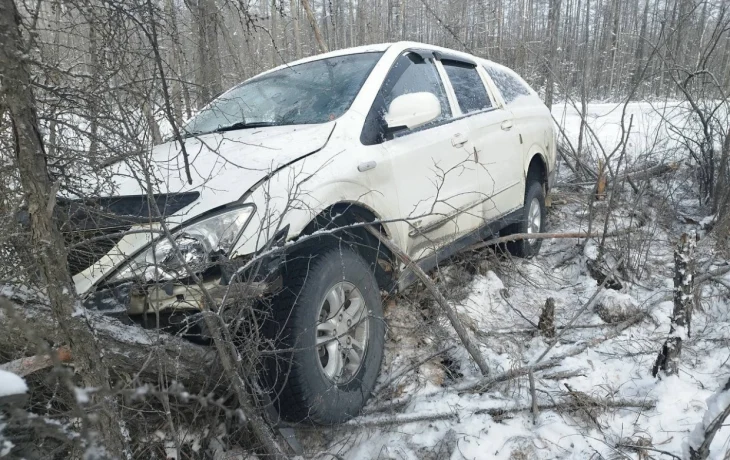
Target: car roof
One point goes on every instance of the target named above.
(380, 47)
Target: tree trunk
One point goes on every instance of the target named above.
(92, 105)
(640, 46)
(295, 28)
(126, 348)
(668, 359)
(315, 28)
(274, 32)
(546, 324)
(209, 72)
(155, 134)
(173, 57)
(46, 239)
(722, 186)
(551, 67)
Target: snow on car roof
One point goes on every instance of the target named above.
(379, 47)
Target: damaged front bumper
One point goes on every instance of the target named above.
(133, 299)
(176, 300)
(245, 278)
(176, 308)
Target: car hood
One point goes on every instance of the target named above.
(223, 166)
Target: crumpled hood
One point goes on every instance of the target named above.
(223, 166)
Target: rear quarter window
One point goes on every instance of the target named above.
(511, 87)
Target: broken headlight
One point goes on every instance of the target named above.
(196, 247)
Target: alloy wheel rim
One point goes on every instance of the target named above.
(534, 218)
(342, 332)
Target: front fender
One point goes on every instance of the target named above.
(296, 195)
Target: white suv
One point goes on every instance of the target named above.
(440, 148)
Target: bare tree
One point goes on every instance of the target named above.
(40, 194)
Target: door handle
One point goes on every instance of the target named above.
(459, 140)
(367, 166)
(507, 125)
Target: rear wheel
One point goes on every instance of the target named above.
(328, 320)
(532, 221)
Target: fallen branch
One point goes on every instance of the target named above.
(440, 299)
(565, 405)
(640, 448)
(705, 431)
(569, 404)
(128, 350)
(562, 375)
(26, 366)
(711, 274)
(641, 174)
(408, 369)
(484, 385)
(528, 331)
(548, 236)
(647, 173)
(533, 394)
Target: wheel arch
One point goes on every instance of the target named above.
(334, 223)
(537, 167)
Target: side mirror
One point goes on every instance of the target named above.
(412, 110)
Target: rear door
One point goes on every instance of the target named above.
(436, 179)
(496, 142)
(532, 120)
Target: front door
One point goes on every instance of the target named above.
(436, 178)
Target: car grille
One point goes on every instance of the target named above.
(92, 227)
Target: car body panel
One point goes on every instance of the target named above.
(293, 173)
(220, 171)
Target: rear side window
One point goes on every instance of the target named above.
(468, 86)
(507, 84)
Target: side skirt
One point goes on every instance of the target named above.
(449, 250)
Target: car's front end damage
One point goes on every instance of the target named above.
(186, 247)
(129, 262)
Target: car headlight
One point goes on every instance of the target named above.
(199, 245)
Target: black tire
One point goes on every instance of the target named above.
(529, 248)
(300, 389)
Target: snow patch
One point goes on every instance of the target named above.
(11, 384)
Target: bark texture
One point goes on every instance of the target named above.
(47, 241)
(546, 324)
(128, 350)
(668, 359)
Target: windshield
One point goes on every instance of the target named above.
(313, 92)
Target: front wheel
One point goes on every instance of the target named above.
(328, 321)
(532, 221)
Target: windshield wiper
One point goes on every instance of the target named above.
(245, 125)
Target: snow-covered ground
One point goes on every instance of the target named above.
(498, 301)
(650, 135)
(11, 384)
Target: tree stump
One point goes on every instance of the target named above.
(546, 324)
(668, 359)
